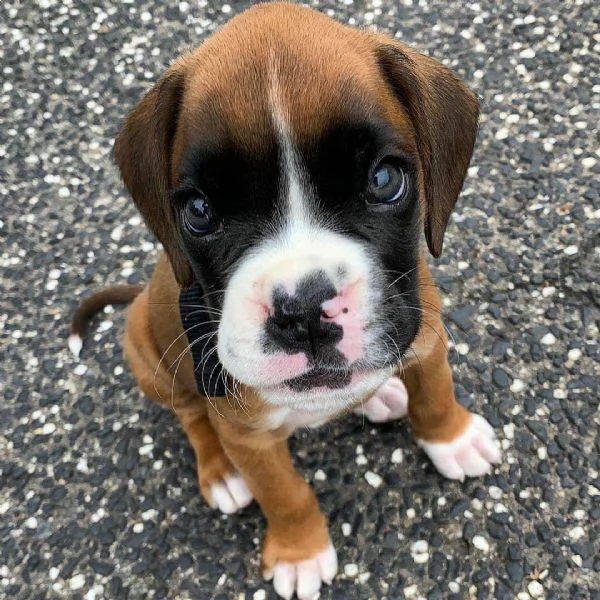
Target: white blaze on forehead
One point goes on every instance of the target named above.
(297, 216)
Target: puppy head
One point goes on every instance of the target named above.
(289, 165)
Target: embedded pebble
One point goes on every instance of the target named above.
(373, 479)
(481, 543)
(320, 475)
(397, 456)
(535, 589)
(77, 582)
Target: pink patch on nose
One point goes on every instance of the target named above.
(344, 310)
(283, 366)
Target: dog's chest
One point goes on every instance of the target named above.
(292, 419)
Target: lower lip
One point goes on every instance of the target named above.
(355, 379)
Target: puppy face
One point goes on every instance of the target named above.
(292, 164)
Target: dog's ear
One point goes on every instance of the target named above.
(143, 151)
(444, 113)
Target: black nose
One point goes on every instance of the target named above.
(296, 323)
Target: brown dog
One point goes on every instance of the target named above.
(289, 166)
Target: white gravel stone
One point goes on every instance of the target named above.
(577, 560)
(548, 339)
(481, 543)
(577, 533)
(31, 523)
(517, 386)
(571, 250)
(138, 528)
(48, 428)
(320, 475)
(77, 582)
(420, 551)
(373, 479)
(146, 449)
(259, 595)
(419, 547)
(495, 492)
(351, 570)
(149, 514)
(397, 456)
(574, 354)
(588, 162)
(80, 370)
(535, 589)
(346, 529)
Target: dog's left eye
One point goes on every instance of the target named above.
(198, 217)
(389, 183)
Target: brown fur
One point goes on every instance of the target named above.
(436, 116)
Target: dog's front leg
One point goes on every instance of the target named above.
(297, 551)
(459, 443)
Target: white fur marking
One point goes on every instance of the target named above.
(304, 577)
(75, 344)
(388, 403)
(230, 495)
(470, 455)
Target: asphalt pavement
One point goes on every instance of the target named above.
(98, 491)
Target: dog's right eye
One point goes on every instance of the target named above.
(197, 216)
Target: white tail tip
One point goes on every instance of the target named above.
(75, 343)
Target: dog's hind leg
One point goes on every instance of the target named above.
(168, 383)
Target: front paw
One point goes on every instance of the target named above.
(296, 567)
(471, 454)
(389, 402)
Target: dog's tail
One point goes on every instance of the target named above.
(114, 294)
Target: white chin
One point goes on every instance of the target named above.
(321, 398)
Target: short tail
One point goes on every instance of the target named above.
(114, 294)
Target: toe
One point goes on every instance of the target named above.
(328, 564)
(222, 499)
(229, 494)
(471, 462)
(375, 410)
(238, 490)
(284, 579)
(308, 581)
(488, 449)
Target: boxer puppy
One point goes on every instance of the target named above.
(288, 166)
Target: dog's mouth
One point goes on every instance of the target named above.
(320, 377)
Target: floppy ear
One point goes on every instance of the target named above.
(444, 113)
(143, 152)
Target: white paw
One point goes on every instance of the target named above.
(388, 403)
(470, 455)
(231, 494)
(304, 577)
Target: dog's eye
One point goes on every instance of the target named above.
(389, 183)
(198, 217)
